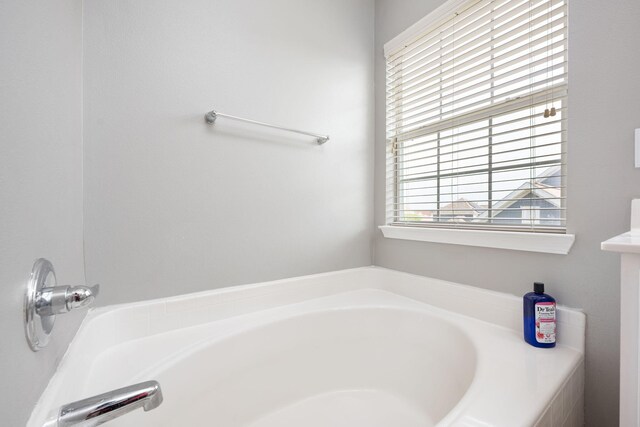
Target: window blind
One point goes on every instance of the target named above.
(477, 119)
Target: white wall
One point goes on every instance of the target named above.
(40, 182)
(173, 205)
(604, 108)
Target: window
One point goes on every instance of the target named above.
(477, 117)
(531, 214)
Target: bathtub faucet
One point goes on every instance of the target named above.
(105, 407)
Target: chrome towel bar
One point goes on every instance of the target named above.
(211, 117)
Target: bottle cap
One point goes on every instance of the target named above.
(538, 288)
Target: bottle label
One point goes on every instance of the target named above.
(546, 322)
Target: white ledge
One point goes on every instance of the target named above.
(628, 242)
(625, 243)
(533, 242)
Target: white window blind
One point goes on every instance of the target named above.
(477, 119)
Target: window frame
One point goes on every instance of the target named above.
(537, 239)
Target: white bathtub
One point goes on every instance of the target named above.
(363, 347)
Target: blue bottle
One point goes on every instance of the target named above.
(539, 313)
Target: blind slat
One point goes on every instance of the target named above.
(437, 159)
(530, 43)
(468, 94)
(498, 42)
(405, 150)
(410, 101)
(411, 198)
(491, 123)
(461, 20)
(480, 209)
(500, 109)
(540, 164)
(396, 159)
(478, 171)
(428, 187)
(467, 36)
(500, 165)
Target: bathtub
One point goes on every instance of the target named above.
(362, 347)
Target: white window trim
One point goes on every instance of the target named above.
(550, 243)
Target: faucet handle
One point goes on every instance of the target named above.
(43, 300)
(62, 299)
(81, 296)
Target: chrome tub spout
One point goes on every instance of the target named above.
(105, 407)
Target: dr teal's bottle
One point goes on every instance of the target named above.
(539, 312)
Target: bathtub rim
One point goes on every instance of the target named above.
(460, 298)
(203, 306)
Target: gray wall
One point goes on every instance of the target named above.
(604, 108)
(174, 206)
(40, 182)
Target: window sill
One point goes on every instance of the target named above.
(533, 242)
